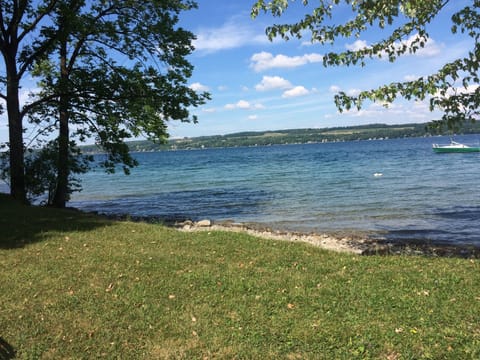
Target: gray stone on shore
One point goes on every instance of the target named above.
(203, 223)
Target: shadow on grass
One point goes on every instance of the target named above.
(21, 225)
(7, 351)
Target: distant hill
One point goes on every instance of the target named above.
(292, 136)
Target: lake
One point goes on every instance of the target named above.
(398, 189)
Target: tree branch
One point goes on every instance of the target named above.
(37, 20)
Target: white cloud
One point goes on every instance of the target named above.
(350, 92)
(410, 77)
(27, 95)
(335, 89)
(353, 92)
(272, 83)
(431, 47)
(232, 34)
(199, 87)
(296, 91)
(244, 105)
(357, 45)
(470, 89)
(396, 113)
(253, 117)
(264, 60)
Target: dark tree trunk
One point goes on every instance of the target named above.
(15, 127)
(61, 192)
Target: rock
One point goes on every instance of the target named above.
(203, 223)
(184, 223)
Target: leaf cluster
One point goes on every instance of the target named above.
(452, 89)
(41, 168)
(125, 72)
(107, 70)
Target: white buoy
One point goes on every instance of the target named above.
(378, 174)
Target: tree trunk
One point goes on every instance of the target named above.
(61, 192)
(15, 128)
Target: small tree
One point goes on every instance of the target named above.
(41, 171)
(453, 88)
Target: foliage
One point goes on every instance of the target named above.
(127, 73)
(41, 170)
(86, 287)
(21, 44)
(108, 70)
(453, 88)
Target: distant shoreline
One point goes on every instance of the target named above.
(291, 136)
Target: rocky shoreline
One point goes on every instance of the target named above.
(358, 244)
(325, 241)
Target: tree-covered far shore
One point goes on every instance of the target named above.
(294, 136)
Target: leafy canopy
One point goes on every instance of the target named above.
(125, 72)
(106, 69)
(453, 88)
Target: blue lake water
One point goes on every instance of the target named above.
(327, 187)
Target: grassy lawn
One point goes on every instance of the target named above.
(74, 286)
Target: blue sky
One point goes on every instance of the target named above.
(261, 85)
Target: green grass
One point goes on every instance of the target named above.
(74, 286)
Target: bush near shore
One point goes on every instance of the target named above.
(74, 285)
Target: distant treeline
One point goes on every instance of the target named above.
(295, 136)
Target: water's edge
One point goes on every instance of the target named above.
(359, 243)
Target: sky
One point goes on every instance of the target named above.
(260, 85)
(257, 84)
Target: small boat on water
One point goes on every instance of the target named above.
(455, 147)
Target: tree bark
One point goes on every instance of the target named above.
(61, 192)
(15, 128)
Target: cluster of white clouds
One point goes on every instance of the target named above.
(234, 34)
(270, 83)
(244, 105)
(430, 46)
(334, 89)
(199, 87)
(264, 61)
(296, 92)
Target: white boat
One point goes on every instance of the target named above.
(454, 147)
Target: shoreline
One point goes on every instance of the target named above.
(357, 244)
(348, 242)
